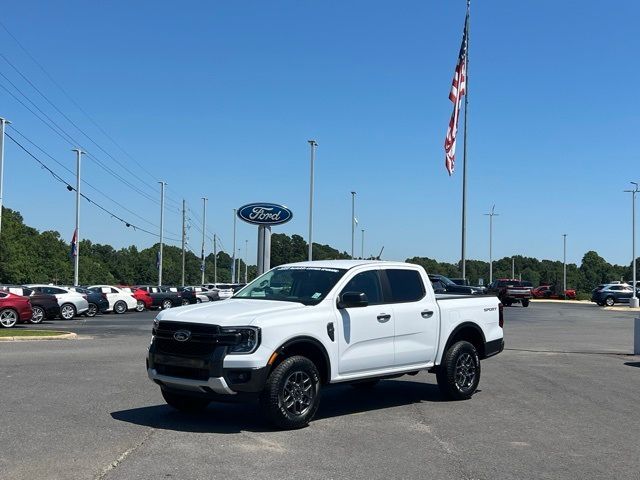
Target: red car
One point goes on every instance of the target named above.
(142, 296)
(14, 309)
(549, 291)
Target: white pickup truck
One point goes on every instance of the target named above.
(301, 326)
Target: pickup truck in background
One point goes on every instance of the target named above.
(302, 326)
(510, 291)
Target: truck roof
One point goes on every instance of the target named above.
(345, 264)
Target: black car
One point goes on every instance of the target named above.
(98, 302)
(442, 284)
(43, 305)
(163, 297)
(187, 296)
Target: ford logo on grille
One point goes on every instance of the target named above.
(265, 214)
(182, 335)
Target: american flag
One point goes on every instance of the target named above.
(458, 90)
(74, 244)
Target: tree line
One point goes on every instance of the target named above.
(30, 256)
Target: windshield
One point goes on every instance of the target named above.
(307, 285)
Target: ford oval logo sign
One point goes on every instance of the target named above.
(265, 214)
(182, 335)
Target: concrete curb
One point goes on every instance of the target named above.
(66, 336)
(617, 308)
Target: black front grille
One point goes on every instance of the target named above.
(202, 342)
(182, 372)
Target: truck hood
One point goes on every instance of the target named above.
(233, 312)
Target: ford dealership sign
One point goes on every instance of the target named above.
(265, 214)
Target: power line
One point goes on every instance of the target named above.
(68, 96)
(85, 182)
(71, 188)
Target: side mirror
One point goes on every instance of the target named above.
(353, 299)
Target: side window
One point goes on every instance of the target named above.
(406, 285)
(58, 291)
(113, 290)
(367, 283)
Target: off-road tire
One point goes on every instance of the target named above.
(295, 380)
(454, 372)
(185, 403)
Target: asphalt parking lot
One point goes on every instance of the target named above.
(563, 401)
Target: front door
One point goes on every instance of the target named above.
(366, 333)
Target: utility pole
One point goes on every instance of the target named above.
(184, 234)
(246, 266)
(76, 262)
(238, 271)
(313, 145)
(3, 123)
(353, 224)
(513, 267)
(162, 185)
(634, 302)
(564, 264)
(362, 249)
(491, 215)
(233, 260)
(204, 229)
(215, 259)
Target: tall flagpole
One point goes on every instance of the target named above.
(464, 152)
(76, 260)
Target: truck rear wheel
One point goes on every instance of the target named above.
(291, 395)
(459, 373)
(525, 302)
(185, 403)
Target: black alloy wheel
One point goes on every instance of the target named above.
(459, 373)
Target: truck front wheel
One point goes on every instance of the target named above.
(291, 395)
(459, 373)
(185, 403)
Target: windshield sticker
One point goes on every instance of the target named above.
(315, 269)
(316, 295)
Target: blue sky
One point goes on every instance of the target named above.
(219, 100)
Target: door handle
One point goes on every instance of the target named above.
(426, 313)
(384, 317)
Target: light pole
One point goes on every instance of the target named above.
(246, 265)
(634, 302)
(3, 123)
(204, 229)
(76, 260)
(162, 185)
(233, 260)
(513, 268)
(313, 145)
(353, 224)
(491, 214)
(362, 250)
(564, 265)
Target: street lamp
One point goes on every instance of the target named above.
(491, 215)
(564, 264)
(633, 302)
(353, 224)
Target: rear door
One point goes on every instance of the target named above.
(366, 336)
(416, 316)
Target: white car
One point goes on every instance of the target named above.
(71, 303)
(225, 290)
(120, 301)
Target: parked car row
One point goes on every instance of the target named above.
(35, 303)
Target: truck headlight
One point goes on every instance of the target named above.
(249, 339)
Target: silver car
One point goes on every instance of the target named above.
(71, 303)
